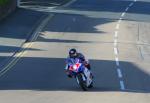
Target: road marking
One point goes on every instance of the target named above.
(117, 61)
(116, 51)
(69, 3)
(119, 73)
(116, 34)
(22, 51)
(123, 14)
(127, 9)
(115, 42)
(119, 21)
(122, 86)
(117, 26)
(131, 4)
(120, 18)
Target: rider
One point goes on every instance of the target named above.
(73, 54)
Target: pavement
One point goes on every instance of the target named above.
(113, 35)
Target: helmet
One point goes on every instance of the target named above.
(73, 53)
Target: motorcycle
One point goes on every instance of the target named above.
(82, 74)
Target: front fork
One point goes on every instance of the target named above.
(83, 77)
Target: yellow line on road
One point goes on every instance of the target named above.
(22, 51)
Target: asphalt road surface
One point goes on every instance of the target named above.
(113, 34)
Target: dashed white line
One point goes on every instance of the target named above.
(123, 14)
(131, 4)
(122, 86)
(120, 18)
(116, 51)
(119, 21)
(116, 34)
(115, 42)
(117, 61)
(127, 9)
(22, 51)
(69, 3)
(117, 27)
(119, 73)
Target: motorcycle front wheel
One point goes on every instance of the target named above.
(82, 83)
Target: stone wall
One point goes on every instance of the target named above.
(5, 10)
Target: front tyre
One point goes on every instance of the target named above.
(82, 83)
(91, 85)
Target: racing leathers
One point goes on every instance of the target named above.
(72, 59)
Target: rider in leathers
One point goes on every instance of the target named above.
(73, 54)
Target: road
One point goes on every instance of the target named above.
(113, 35)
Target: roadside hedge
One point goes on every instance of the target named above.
(3, 2)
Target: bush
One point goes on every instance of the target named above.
(3, 2)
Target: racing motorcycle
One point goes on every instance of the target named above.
(82, 74)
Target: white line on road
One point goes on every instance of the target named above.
(117, 26)
(22, 51)
(116, 51)
(119, 73)
(127, 9)
(131, 4)
(69, 3)
(122, 85)
(120, 18)
(123, 14)
(117, 61)
(119, 21)
(116, 34)
(115, 42)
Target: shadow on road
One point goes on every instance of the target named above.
(47, 74)
(11, 49)
(20, 24)
(140, 7)
(44, 74)
(110, 9)
(16, 29)
(76, 24)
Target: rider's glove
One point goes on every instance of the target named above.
(69, 76)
